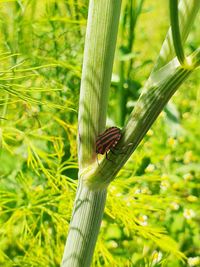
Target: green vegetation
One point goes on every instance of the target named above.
(152, 215)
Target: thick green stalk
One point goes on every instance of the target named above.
(100, 44)
(84, 227)
(89, 205)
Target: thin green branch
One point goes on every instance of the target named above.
(188, 10)
(195, 58)
(174, 18)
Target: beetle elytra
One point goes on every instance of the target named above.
(108, 140)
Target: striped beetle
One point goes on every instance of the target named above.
(108, 140)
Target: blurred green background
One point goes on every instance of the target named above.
(152, 214)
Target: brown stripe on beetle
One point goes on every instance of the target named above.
(108, 140)
(110, 132)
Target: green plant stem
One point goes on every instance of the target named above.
(188, 10)
(100, 44)
(175, 31)
(136, 10)
(84, 227)
(132, 12)
(153, 99)
(101, 35)
(121, 96)
(195, 58)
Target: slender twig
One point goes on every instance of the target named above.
(176, 31)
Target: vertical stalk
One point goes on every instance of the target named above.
(84, 227)
(100, 44)
(101, 35)
(132, 11)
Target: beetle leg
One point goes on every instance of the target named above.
(113, 151)
(108, 158)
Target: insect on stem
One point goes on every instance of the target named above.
(107, 141)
